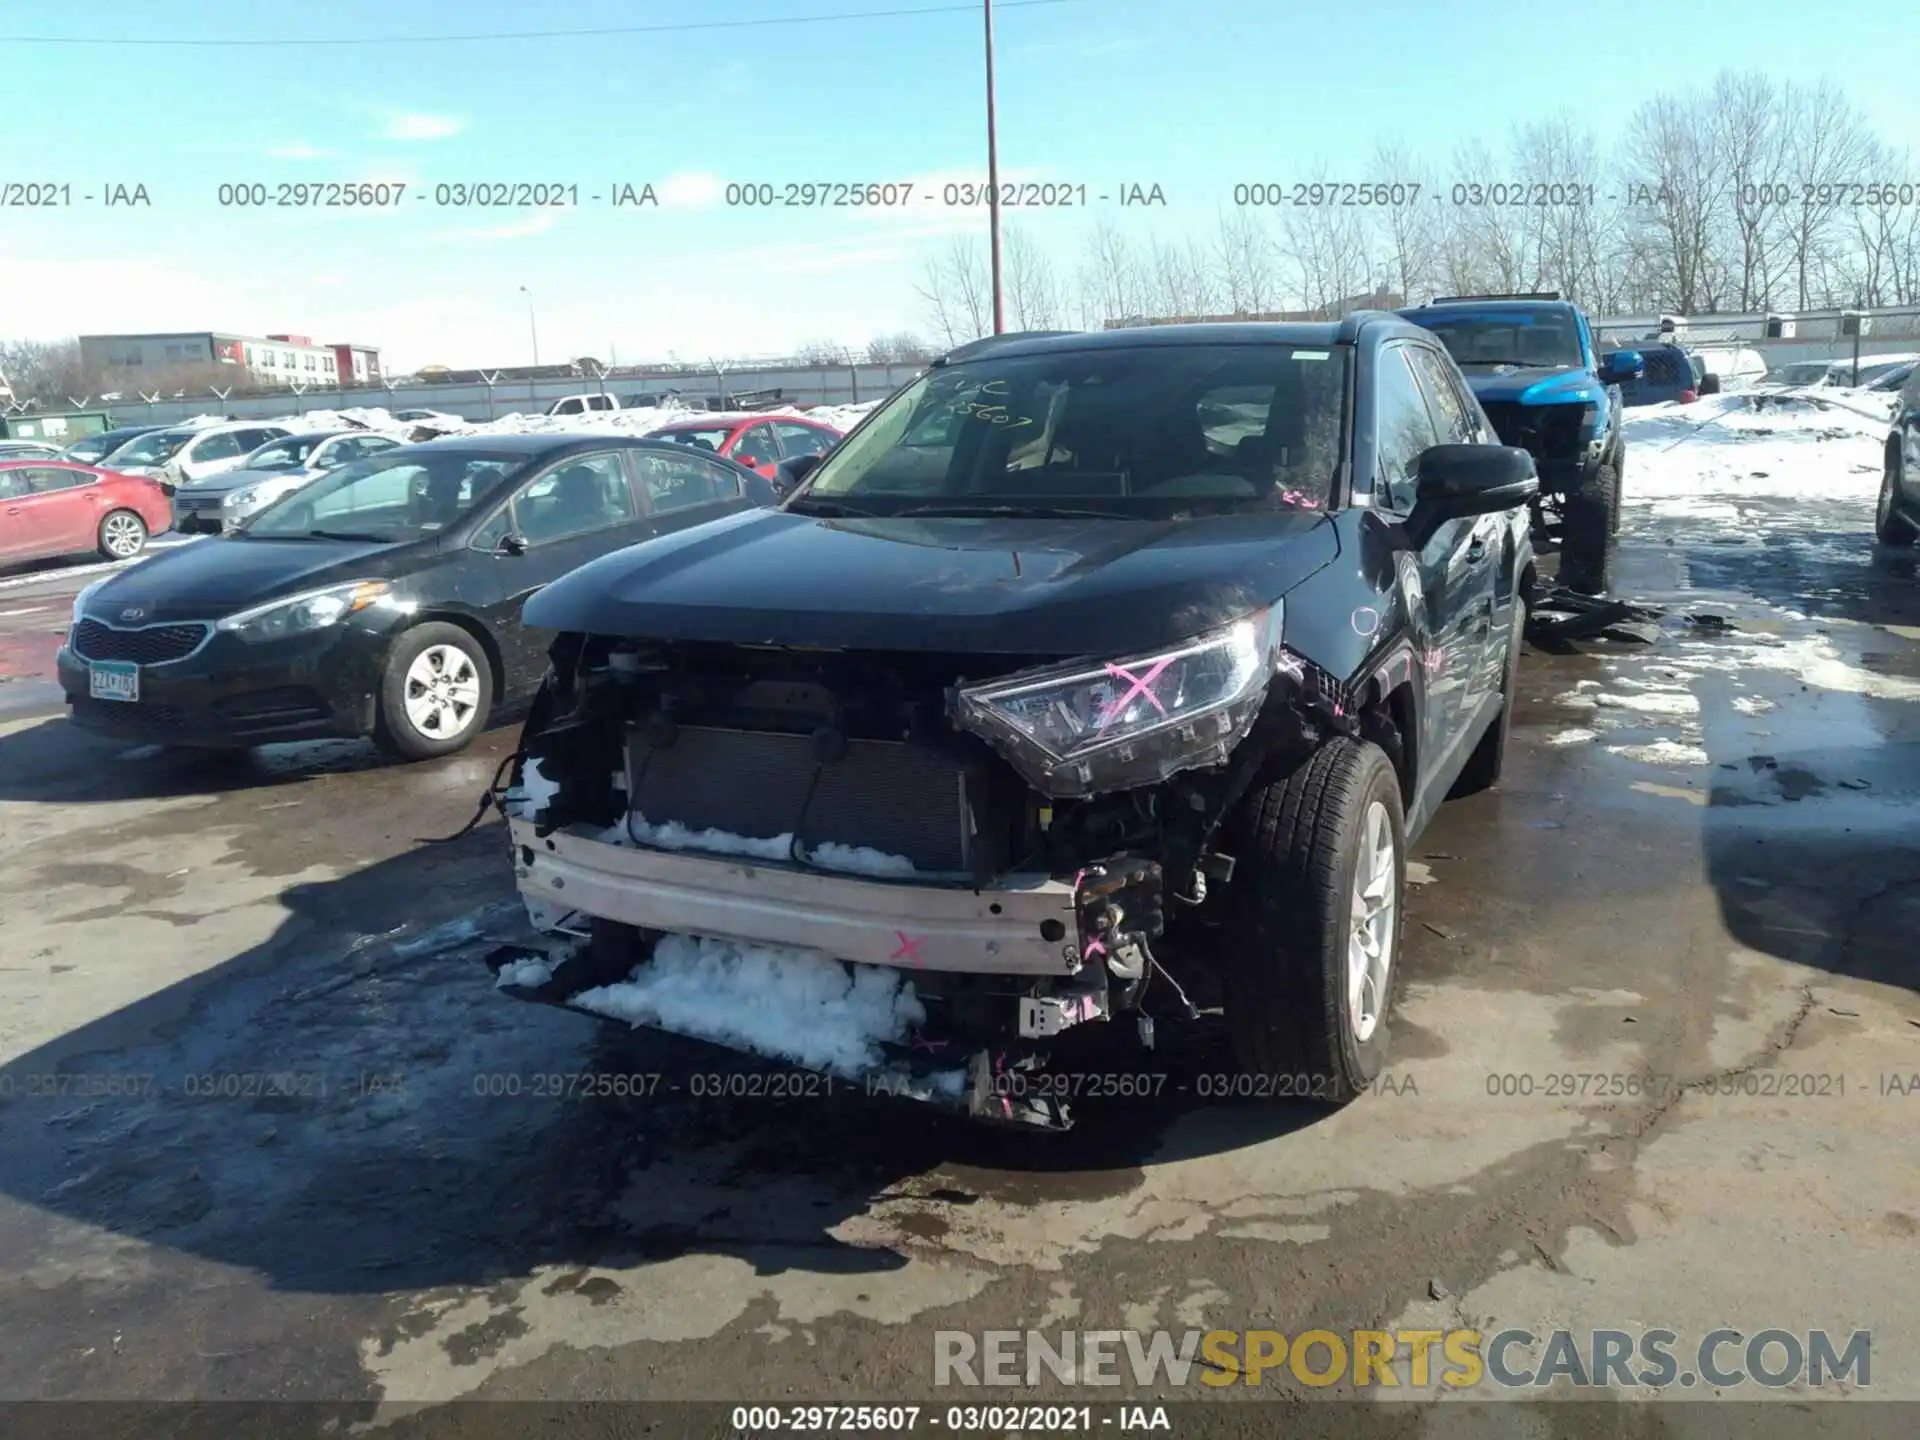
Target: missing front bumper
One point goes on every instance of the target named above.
(1018, 926)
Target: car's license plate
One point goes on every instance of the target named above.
(114, 680)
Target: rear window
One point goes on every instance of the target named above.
(1150, 431)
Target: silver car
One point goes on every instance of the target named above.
(276, 470)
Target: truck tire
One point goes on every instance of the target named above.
(1307, 989)
(1890, 527)
(1489, 758)
(1587, 537)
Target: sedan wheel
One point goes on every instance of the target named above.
(123, 535)
(437, 692)
(443, 692)
(1890, 527)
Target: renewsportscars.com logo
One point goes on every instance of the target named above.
(1511, 1359)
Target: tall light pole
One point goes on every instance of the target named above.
(533, 333)
(993, 183)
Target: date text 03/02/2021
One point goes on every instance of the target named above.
(1014, 1419)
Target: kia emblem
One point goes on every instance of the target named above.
(134, 612)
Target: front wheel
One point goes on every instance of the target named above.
(1890, 527)
(1309, 969)
(123, 535)
(1587, 533)
(436, 693)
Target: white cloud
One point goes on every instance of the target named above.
(691, 190)
(298, 150)
(417, 126)
(537, 223)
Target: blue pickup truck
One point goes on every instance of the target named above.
(1531, 362)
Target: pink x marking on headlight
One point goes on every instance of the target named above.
(1142, 685)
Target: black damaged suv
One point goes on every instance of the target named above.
(1091, 676)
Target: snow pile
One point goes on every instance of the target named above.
(1742, 446)
(787, 1004)
(672, 835)
(525, 974)
(646, 420)
(1813, 660)
(531, 795)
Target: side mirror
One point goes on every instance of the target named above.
(511, 543)
(1456, 481)
(789, 473)
(1620, 365)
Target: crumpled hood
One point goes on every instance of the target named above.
(980, 586)
(1567, 385)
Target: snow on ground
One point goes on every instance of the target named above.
(525, 974)
(1693, 461)
(788, 1004)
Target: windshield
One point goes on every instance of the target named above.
(705, 439)
(285, 454)
(1150, 432)
(94, 446)
(1533, 338)
(155, 448)
(390, 498)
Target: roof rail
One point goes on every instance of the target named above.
(994, 342)
(1351, 322)
(1516, 295)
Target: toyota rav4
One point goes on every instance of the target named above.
(1093, 678)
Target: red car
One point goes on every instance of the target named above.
(58, 507)
(758, 442)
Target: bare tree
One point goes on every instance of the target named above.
(1748, 139)
(824, 352)
(1033, 295)
(47, 371)
(1111, 280)
(1246, 265)
(1409, 239)
(1676, 194)
(1826, 148)
(902, 348)
(956, 287)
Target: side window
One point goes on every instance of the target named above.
(569, 407)
(1406, 429)
(53, 478)
(13, 484)
(489, 535)
(803, 440)
(1456, 423)
(757, 446)
(600, 402)
(587, 492)
(675, 482)
(251, 440)
(224, 446)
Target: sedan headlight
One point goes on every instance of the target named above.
(86, 593)
(302, 614)
(1084, 727)
(240, 499)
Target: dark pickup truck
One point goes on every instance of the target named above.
(1531, 362)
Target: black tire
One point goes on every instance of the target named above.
(1619, 484)
(1890, 526)
(1710, 385)
(396, 730)
(1297, 844)
(121, 535)
(1587, 538)
(1489, 757)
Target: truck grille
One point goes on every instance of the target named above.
(148, 645)
(895, 797)
(1549, 432)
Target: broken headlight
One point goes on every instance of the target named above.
(1086, 727)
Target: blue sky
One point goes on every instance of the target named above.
(1094, 92)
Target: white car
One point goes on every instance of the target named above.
(186, 453)
(276, 470)
(582, 404)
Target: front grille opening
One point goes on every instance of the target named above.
(149, 645)
(1549, 432)
(893, 796)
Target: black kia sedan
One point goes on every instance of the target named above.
(383, 599)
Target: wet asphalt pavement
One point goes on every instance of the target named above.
(267, 1131)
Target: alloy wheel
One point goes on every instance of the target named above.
(1370, 943)
(123, 535)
